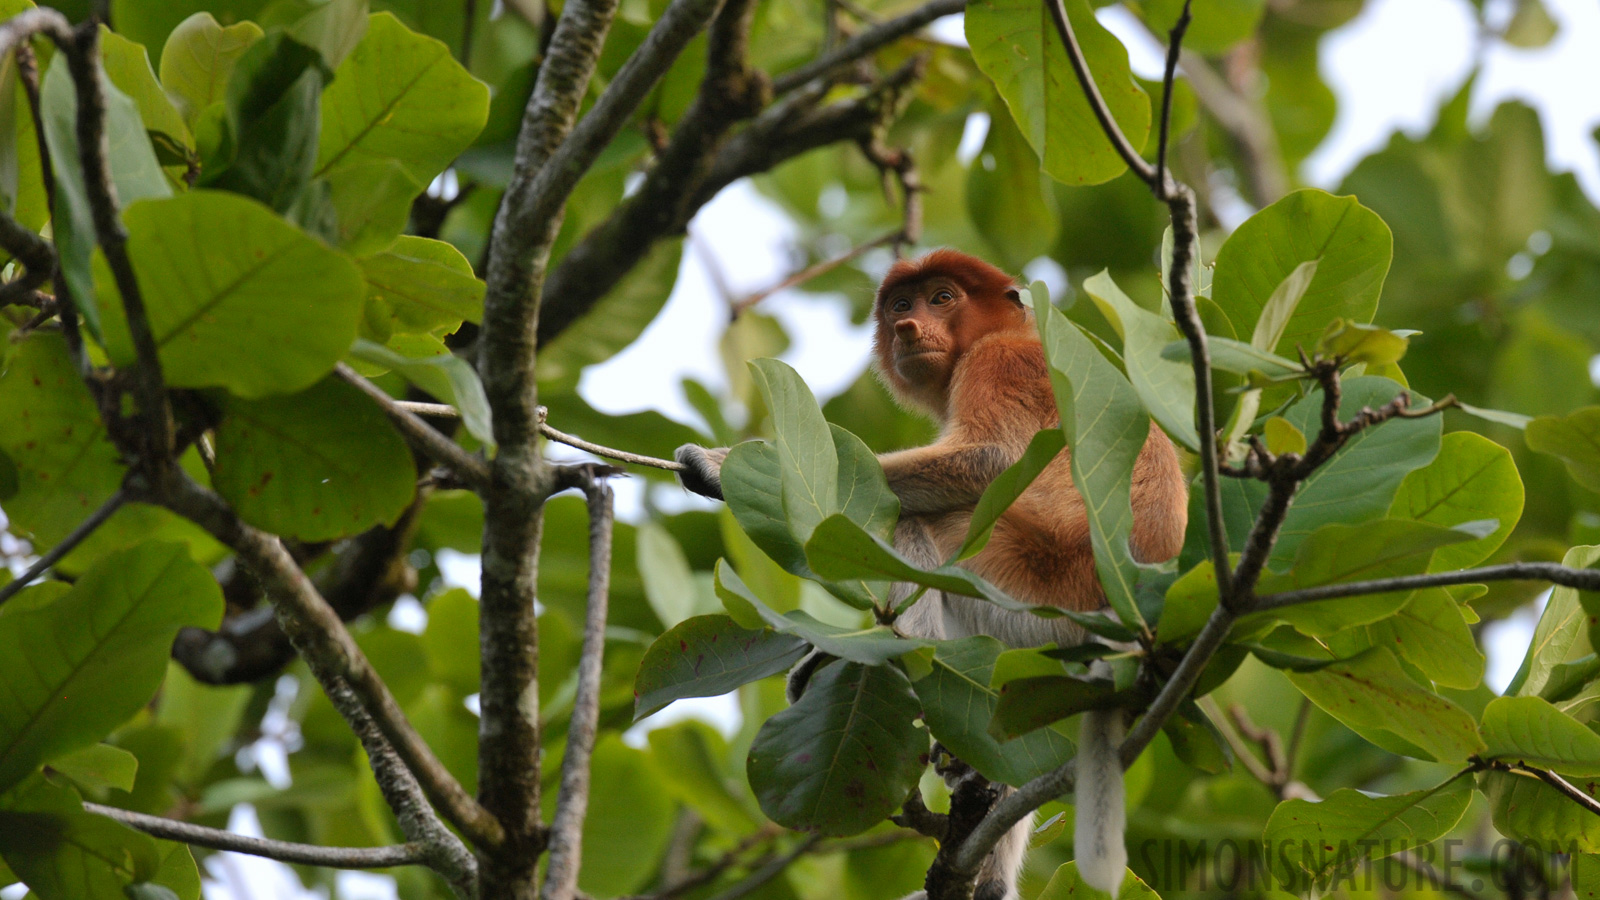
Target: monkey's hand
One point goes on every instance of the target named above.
(702, 469)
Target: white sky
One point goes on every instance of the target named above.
(1390, 68)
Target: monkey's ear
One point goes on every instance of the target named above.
(1016, 297)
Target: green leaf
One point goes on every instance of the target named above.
(693, 760)
(1189, 603)
(1574, 438)
(198, 59)
(1196, 741)
(616, 320)
(99, 766)
(629, 824)
(318, 465)
(252, 303)
(863, 491)
(1430, 633)
(1008, 199)
(372, 201)
(1529, 730)
(446, 376)
(1216, 26)
(64, 853)
(958, 704)
(66, 467)
(1377, 700)
(400, 96)
(422, 285)
(870, 646)
(1357, 344)
(669, 584)
(333, 27)
(1031, 703)
(1560, 636)
(1066, 884)
(270, 118)
(707, 656)
(1239, 358)
(1472, 479)
(1015, 44)
(128, 67)
(840, 549)
(1281, 305)
(1165, 386)
(1106, 427)
(808, 463)
(451, 639)
(86, 662)
(1360, 482)
(1526, 809)
(845, 756)
(1282, 437)
(1531, 25)
(1497, 416)
(1387, 548)
(135, 174)
(1007, 487)
(1352, 245)
(1321, 841)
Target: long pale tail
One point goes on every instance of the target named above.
(1097, 838)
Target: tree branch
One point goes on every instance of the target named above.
(1554, 573)
(420, 434)
(78, 535)
(1565, 787)
(562, 437)
(866, 42)
(322, 640)
(282, 851)
(566, 827)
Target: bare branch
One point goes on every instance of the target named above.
(566, 827)
(866, 42)
(420, 434)
(327, 647)
(1554, 573)
(1174, 43)
(815, 270)
(282, 851)
(84, 529)
(562, 437)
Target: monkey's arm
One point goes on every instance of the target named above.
(943, 476)
(702, 469)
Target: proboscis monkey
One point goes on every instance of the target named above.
(954, 340)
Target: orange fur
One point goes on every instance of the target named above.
(964, 349)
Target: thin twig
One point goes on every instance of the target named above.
(1561, 784)
(865, 43)
(1174, 44)
(282, 851)
(572, 803)
(420, 434)
(1241, 750)
(562, 437)
(815, 270)
(84, 529)
(1554, 573)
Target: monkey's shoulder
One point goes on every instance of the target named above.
(1008, 358)
(1003, 383)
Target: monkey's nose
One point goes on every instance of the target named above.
(907, 329)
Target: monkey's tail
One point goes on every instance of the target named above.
(1100, 815)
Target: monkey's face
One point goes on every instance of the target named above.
(921, 315)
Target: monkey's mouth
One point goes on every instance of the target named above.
(914, 352)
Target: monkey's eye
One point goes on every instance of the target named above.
(942, 297)
(901, 305)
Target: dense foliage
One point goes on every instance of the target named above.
(303, 205)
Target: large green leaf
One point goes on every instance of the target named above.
(1106, 427)
(1359, 483)
(128, 66)
(707, 656)
(871, 646)
(400, 96)
(237, 297)
(318, 465)
(1353, 245)
(957, 703)
(1374, 697)
(64, 853)
(1429, 632)
(1560, 637)
(134, 173)
(263, 142)
(1574, 438)
(845, 756)
(1014, 42)
(421, 285)
(83, 664)
(1472, 479)
(1530, 730)
(198, 59)
(694, 763)
(1524, 808)
(372, 202)
(1320, 841)
(1337, 553)
(807, 461)
(1165, 386)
